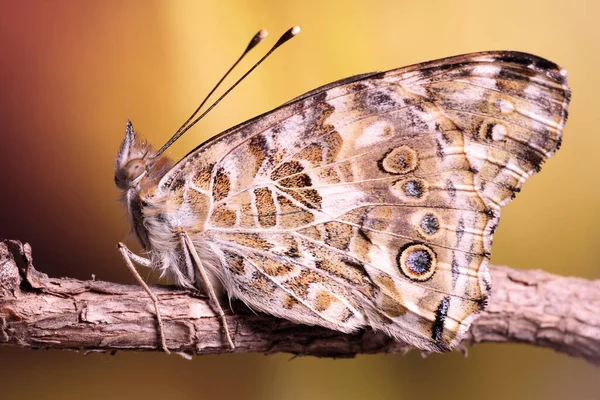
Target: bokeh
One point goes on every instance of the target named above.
(72, 73)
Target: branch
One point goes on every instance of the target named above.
(36, 311)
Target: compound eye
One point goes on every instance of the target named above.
(134, 168)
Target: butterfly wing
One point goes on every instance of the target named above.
(373, 201)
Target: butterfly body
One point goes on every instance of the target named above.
(371, 201)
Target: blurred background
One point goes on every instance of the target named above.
(73, 72)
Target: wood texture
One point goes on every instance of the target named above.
(533, 307)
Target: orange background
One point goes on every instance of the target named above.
(72, 73)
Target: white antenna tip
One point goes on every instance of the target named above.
(295, 30)
(263, 34)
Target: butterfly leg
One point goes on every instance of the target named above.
(128, 257)
(189, 245)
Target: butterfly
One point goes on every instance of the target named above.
(368, 202)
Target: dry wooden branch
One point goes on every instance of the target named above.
(36, 311)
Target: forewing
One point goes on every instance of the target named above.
(373, 200)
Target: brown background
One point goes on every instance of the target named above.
(72, 72)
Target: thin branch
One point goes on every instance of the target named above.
(36, 311)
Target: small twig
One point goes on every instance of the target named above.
(36, 311)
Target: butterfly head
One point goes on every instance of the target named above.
(135, 162)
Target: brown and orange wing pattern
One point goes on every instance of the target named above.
(373, 201)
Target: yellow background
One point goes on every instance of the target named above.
(72, 73)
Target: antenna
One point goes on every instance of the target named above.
(290, 33)
(260, 35)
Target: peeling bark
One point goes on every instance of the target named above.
(533, 307)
